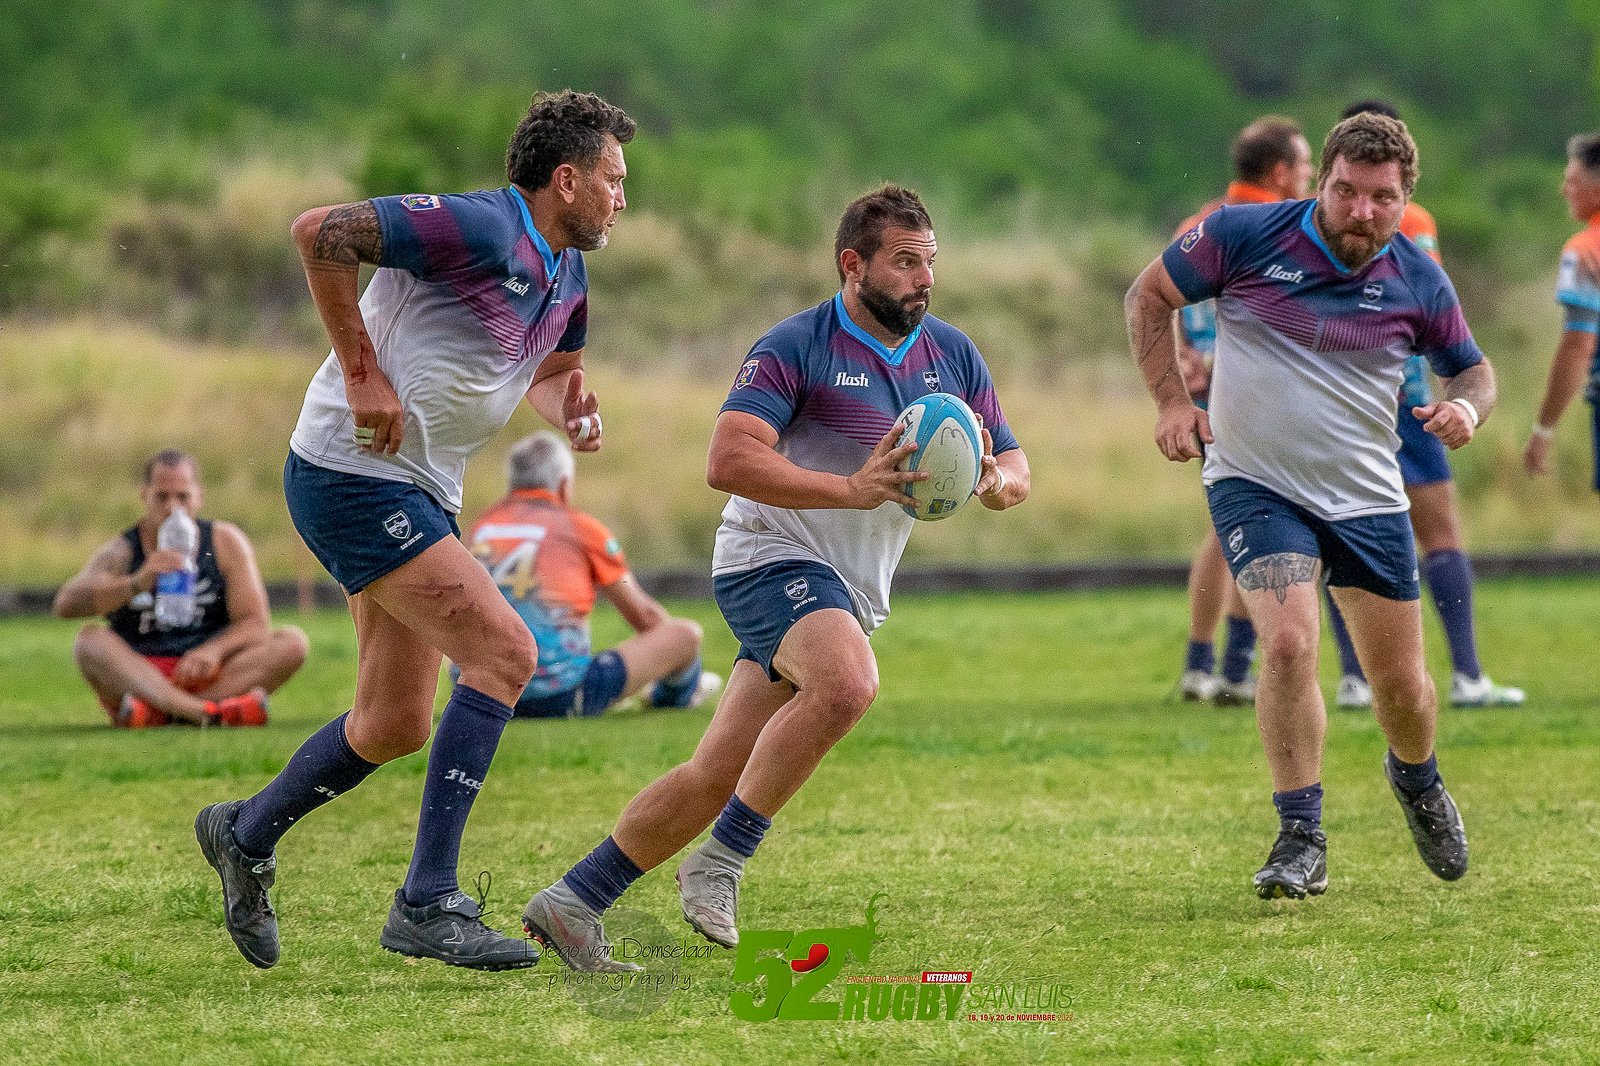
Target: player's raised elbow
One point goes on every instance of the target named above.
(304, 229)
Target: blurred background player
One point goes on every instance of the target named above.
(217, 670)
(1435, 518)
(480, 300)
(1321, 304)
(548, 558)
(1578, 291)
(1271, 162)
(806, 446)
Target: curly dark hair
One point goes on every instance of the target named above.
(864, 221)
(1373, 139)
(563, 127)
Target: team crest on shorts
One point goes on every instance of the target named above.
(1192, 238)
(419, 202)
(747, 373)
(930, 378)
(398, 525)
(1236, 539)
(797, 589)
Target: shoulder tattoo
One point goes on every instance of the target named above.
(1277, 572)
(350, 235)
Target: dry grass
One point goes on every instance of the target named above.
(85, 402)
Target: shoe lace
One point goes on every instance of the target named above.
(722, 887)
(1292, 847)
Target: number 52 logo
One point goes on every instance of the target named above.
(804, 965)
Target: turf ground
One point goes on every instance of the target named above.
(1029, 804)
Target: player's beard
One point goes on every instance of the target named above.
(899, 317)
(1355, 245)
(587, 234)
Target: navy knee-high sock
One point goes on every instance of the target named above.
(1201, 655)
(325, 766)
(676, 690)
(1349, 665)
(1239, 651)
(1449, 577)
(463, 746)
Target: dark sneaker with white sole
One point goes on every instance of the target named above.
(1435, 826)
(452, 931)
(1297, 866)
(245, 907)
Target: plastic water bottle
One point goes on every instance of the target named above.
(175, 606)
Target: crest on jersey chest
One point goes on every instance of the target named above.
(930, 378)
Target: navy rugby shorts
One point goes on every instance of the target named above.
(1424, 460)
(360, 527)
(761, 605)
(1376, 552)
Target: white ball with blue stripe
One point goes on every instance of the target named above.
(949, 440)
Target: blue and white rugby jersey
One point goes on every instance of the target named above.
(831, 391)
(466, 304)
(1310, 356)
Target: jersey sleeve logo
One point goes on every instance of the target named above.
(419, 202)
(1192, 238)
(747, 373)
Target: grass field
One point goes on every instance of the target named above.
(1028, 802)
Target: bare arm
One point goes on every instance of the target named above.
(557, 394)
(104, 583)
(637, 607)
(333, 243)
(743, 460)
(1568, 370)
(1451, 422)
(1149, 308)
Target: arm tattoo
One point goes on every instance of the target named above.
(350, 235)
(1277, 572)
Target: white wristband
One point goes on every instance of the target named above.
(1542, 431)
(1471, 410)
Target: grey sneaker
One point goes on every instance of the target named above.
(1297, 866)
(1236, 693)
(1198, 686)
(1353, 694)
(245, 907)
(1435, 826)
(709, 892)
(452, 931)
(564, 924)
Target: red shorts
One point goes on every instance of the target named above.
(165, 663)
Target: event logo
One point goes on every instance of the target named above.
(419, 202)
(1192, 238)
(793, 974)
(747, 373)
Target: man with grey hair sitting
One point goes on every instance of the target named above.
(548, 559)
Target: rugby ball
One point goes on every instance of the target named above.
(949, 440)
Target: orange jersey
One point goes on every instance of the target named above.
(1417, 224)
(1239, 192)
(548, 559)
